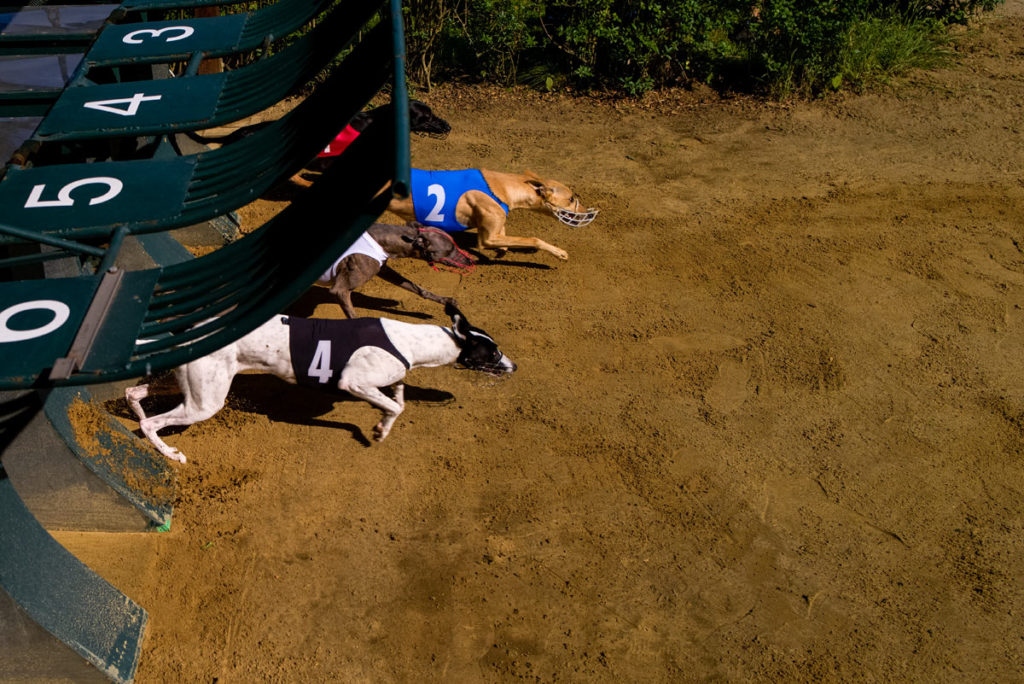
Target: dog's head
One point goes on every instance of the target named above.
(423, 120)
(561, 201)
(479, 350)
(437, 248)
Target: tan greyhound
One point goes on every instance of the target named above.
(481, 199)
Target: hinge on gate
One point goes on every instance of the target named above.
(94, 318)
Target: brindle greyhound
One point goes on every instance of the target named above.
(368, 254)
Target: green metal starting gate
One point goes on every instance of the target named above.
(103, 164)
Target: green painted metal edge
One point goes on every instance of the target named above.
(64, 596)
(400, 99)
(164, 249)
(114, 454)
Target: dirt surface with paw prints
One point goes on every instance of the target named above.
(768, 421)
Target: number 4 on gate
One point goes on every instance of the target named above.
(132, 104)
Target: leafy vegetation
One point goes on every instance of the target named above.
(879, 48)
(632, 46)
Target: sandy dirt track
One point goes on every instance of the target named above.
(768, 421)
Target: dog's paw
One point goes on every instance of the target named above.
(175, 455)
(562, 255)
(380, 432)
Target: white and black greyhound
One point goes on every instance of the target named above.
(358, 356)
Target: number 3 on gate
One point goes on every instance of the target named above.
(135, 37)
(60, 315)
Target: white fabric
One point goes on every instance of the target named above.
(364, 244)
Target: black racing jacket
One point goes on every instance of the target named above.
(321, 348)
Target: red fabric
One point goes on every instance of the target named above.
(338, 145)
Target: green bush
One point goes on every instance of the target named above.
(632, 46)
(490, 37)
(947, 11)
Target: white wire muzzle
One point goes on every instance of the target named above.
(574, 218)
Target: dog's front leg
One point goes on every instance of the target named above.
(388, 406)
(503, 242)
(369, 369)
(345, 299)
(491, 235)
(354, 272)
(398, 392)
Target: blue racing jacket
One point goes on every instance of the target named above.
(435, 194)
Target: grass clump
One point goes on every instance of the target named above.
(878, 49)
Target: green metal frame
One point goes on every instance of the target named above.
(52, 586)
(64, 596)
(165, 316)
(209, 37)
(192, 102)
(158, 194)
(56, 38)
(169, 316)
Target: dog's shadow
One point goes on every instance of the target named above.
(305, 306)
(279, 401)
(466, 241)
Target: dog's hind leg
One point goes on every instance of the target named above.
(135, 395)
(392, 276)
(205, 384)
(150, 427)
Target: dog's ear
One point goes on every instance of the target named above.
(540, 188)
(459, 324)
(538, 185)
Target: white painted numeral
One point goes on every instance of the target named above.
(437, 191)
(135, 37)
(64, 199)
(320, 367)
(60, 314)
(133, 103)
